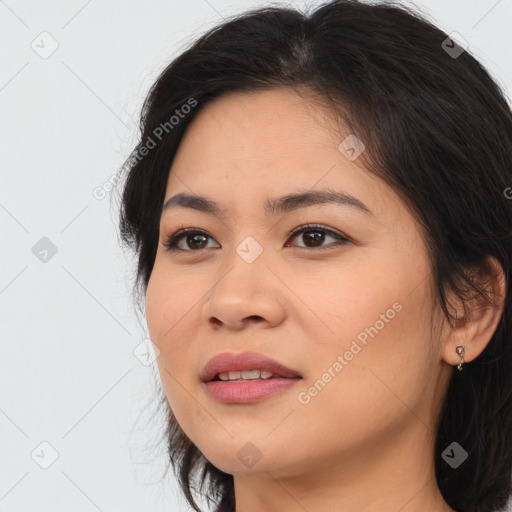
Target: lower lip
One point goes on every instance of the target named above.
(247, 392)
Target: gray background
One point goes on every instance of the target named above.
(69, 374)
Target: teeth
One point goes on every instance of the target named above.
(246, 375)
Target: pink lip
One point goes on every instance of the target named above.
(250, 391)
(230, 362)
(247, 392)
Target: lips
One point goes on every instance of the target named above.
(230, 362)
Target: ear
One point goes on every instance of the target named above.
(475, 327)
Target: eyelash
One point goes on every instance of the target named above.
(170, 243)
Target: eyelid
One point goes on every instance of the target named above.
(311, 226)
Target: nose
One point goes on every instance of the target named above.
(247, 294)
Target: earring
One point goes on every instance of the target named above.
(460, 351)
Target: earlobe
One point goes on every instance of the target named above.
(475, 326)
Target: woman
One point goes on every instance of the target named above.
(320, 213)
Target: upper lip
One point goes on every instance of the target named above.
(230, 362)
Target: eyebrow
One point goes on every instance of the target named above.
(274, 206)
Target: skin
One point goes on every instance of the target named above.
(365, 442)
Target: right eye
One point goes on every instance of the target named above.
(191, 236)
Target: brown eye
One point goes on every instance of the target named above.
(315, 236)
(193, 240)
(198, 241)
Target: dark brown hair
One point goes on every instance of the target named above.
(437, 128)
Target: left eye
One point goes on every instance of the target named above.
(316, 234)
(311, 234)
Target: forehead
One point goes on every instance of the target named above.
(262, 125)
(246, 146)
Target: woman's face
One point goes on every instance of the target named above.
(352, 318)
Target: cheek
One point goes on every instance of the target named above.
(169, 306)
(376, 312)
(158, 303)
(379, 380)
(172, 315)
(162, 314)
(351, 295)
